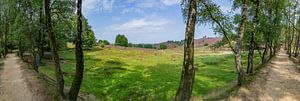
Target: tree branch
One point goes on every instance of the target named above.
(225, 33)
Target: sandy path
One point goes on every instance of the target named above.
(279, 81)
(13, 86)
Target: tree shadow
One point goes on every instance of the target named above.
(158, 82)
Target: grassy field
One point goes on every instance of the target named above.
(139, 74)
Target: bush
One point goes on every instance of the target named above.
(162, 46)
(121, 40)
(103, 42)
(206, 44)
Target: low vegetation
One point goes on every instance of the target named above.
(116, 73)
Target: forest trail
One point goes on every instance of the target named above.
(279, 81)
(17, 83)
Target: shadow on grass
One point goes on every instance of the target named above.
(159, 82)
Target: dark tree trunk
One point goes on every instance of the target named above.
(252, 42)
(79, 56)
(291, 43)
(31, 38)
(41, 36)
(55, 57)
(6, 27)
(185, 89)
(271, 50)
(238, 46)
(264, 60)
(296, 46)
(285, 42)
(20, 47)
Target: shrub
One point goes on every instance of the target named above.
(121, 40)
(162, 46)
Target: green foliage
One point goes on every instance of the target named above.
(89, 40)
(88, 36)
(148, 46)
(112, 74)
(206, 44)
(163, 46)
(121, 40)
(103, 42)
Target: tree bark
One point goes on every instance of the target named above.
(290, 45)
(41, 36)
(31, 38)
(238, 46)
(252, 41)
(264, 60)
(184, 92)
(296, 46)
(6, 27)
(271, 50)
(55, 57)
(79, 56)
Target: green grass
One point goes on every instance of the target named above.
(138, 74)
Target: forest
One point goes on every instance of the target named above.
(51, 44)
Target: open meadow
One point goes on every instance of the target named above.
(118, 73)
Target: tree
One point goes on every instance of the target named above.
(55, 56)
(31, 37)
(121, 40)
(238, 46)
(184, 92)
(162, 46)
(79, 56)
(211, 12)
(252, 36)
(104, 42)
(89, 39)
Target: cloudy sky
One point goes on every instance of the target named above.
(142, 21)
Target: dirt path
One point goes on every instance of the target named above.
(16, 82)
(279, 81)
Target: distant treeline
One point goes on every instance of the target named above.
(163, 45)
(121, 40)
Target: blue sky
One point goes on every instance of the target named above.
(142, 21)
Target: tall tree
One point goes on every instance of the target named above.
(238, 46)
(252, 37)
(211, 12)
(79, 56)
(31, 36)
(55, 56)
(185, 89)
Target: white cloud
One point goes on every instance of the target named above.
(170, 2)
(89, 5)
(149, 29)
(149, 23)
(92, 5)
(132, 10)
(107, 4)
(135, 6)
(139, 6)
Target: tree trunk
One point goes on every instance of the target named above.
(238, 46)
(31, 38)
(264, 60)
(20, 47)
(184, 92)
(252, 42)
(296, 46)
(55, 57)
(271, 51)
(79, 56)
(5, 34)
(41, 37)
(291, 43)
